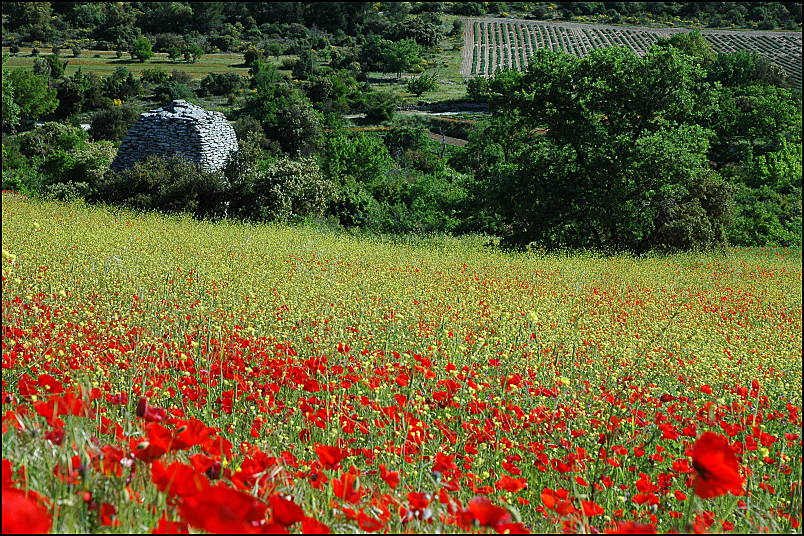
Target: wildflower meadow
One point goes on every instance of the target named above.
(167, 375)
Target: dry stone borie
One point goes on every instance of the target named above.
(181, 129)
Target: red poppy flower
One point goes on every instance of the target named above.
(330, 457)
(716, 466)
(223, 510)
(24, 513)
(347, 488)
(631, 527)
(311, 525)
(170, 527)
(487, 514)
(285, 511)
(390, 477)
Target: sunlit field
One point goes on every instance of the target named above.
(167, 374)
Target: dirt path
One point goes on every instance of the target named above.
(457, 142)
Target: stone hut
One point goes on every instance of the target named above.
(181, 129)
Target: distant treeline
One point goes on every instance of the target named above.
(232, 26)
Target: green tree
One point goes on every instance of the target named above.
(141, 49)
(193, 53)
(601, 152)
(11, 110)
(32, 94)
(399, 56)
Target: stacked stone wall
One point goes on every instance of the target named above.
(180, 129)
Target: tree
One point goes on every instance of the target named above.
(193, 52)
(621, 162)
(11, 110)
(399, 56)
(141, 49)
(32, 94)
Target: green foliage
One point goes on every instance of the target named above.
(422, 84)
(172, 90)
(168, 185)
(32, 94)
(693, 44)
(477, 89)
(622, 164)
(282, 190)
(141, 49)
(768, 199)
(113, 123)
(154, 76)
(51, 137)
(380, 105)
(11, 110)
(192, 53)
(221, 84)
(122, 85)
(426, 34)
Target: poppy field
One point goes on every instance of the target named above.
(166, 375)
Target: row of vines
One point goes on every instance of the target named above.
(507, 44)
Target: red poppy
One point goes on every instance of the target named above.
(285, 511)
(170, 527)
(716, 466)
(223, 510)
(369, 524)
(311, 525)
(347, 488)
(178, 479)
(330, 457)
(24, 513)
(631, 527)
(108, 515)
(390, 477)
(487, 514)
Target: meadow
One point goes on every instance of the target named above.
(161, 373)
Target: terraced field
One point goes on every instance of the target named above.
(490, 44)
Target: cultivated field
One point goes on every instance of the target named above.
(490, 44)
(167, 373)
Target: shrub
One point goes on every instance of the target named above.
(112, 124)
(170, 184)
(154, 76)
(380, 105)
(221, 84)
(171, 90)
(281, 191)
(423, 83)
(51, 137)
(76, 51)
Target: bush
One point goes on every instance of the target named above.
(170, 184)
(50, 137)
(221, 84)
(113, 124)
(423, 83)
(154, 76)
(170, 91)
(380, 105)
(281, 191)
(477, 89)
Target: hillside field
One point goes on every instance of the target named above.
(165, 372)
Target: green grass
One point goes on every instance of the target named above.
(107, 61)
